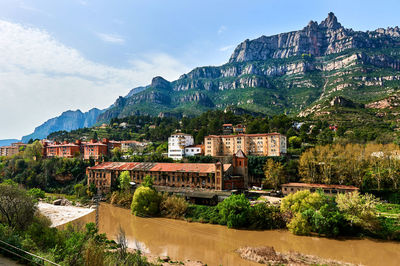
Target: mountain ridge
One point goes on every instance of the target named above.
(282, 73)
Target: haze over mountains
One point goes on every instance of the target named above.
(286, 73)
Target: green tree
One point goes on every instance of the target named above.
(234, 211)
(274, 173)
(36, 193)
(359, 210)
(145, 202)
(17, 208)
(124, 179)
(295, 142)
(80, 190)
(34, 151)
(148, 182)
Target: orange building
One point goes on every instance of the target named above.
(204, 176)
(95, 150)
(65, 149)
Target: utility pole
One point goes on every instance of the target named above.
(97, 200)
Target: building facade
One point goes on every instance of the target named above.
(194, 150)
(13, 149)
(177, 143)
(268, 144)
(327, 189)
(90, 150)
(205, 176)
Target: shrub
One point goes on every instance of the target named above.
(234, 211)
(265, 216)
(145, 202)
(123, 199)
(359, 210)
(173, 206)
(299, 225)
(37, 193)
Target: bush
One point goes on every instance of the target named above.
(208, 214)
(145, 202)
(234, 211)
(359, 210)
(299, 225)
(313, 212)
(264, 216)
(173, 206)
(37, 193)
(123, 199)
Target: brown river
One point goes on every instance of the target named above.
(216, 245)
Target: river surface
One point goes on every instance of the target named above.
(216, 245)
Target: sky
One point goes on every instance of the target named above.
(80, 54)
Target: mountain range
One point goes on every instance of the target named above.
(290, 73)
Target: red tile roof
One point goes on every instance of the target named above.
(319, 186)
(160, 167)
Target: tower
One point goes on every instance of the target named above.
(240, 166)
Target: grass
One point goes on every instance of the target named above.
(389, 210)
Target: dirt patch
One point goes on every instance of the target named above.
(268, 255)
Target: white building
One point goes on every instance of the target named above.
(193, 150)
(177, 143)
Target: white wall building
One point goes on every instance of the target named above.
(177, 143)
(193, 150)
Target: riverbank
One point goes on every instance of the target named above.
(216, 244)
(60, 215)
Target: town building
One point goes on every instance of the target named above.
(227, 129)
(327, 189)
(90, 150)
(13, 149)
(202, 176)
(239, 129)
(177, 143)
(65, 149)
(194, 150)
(126, 145)
(266, 144)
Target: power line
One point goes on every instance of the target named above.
(26, 252)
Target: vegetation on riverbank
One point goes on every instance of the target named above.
(303, 213)
(71, 246)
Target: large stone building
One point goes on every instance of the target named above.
(268, 144)
(205, 176)
(13, 149)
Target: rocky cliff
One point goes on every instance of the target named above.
(289, 72)
(68, 120)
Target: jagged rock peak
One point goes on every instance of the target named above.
(331, 22)
(160, 82)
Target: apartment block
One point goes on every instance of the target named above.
(11, 150)
(177, 143)
(266, 144)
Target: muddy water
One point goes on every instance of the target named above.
(215, 245)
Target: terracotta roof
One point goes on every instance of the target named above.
(227, 125)
(115, 166)
(160, 167)
(95, 144)
(62, 145)
(319, 186)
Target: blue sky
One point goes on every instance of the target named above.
(70, 54)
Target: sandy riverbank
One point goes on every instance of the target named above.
(60, 215)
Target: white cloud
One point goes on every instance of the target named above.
(227, 48)
(111, 38)
(221, 29)
(40, 78)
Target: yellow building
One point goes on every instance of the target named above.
(267, 144)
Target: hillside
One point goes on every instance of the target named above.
(288, 72)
